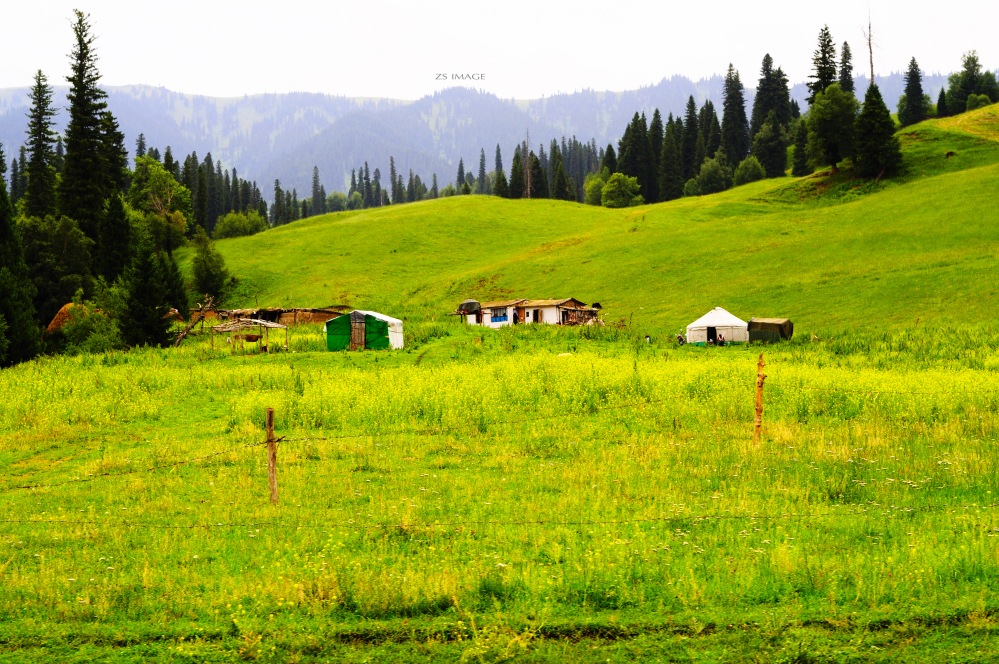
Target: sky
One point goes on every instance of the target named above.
(513, 48)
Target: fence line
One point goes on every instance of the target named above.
(880, 511)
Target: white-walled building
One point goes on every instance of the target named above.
(566, 311)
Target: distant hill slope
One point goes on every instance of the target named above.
(829, 252)
(284, 135)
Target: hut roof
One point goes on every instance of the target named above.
(502, 303)
(244, 323)
(567, 302)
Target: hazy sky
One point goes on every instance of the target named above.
(523, 48)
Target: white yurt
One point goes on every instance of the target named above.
(717, 322)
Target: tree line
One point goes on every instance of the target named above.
(80, 226)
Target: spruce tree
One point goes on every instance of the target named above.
(60, 155)
(392, 181)
(539, 181)
(201, 200)
(688, 148)
(517, 176)
(82, 189)
(435, 190)
(411, 188)
(16, 290)
(610, 160)
(480, 185)
(800, 167)
(770, 147)
(39, 196)
(58, 255)
(795, 109)
(317, 198)
(500, 187)
(208, 266)
(670, 168)
(369, 194)
(830, 127)
(942, 110)
(913, 109)
(173, 282)
(147, 303)
(114, 156)
(170, 164)
(772, 94)
(560, 179)
(15, 181)
(113, 248)
(734, 125)
(140, 146)
(656, 137)
(824, 63)
(846, 69)
(293, 205)
(376, 187)
(498, 166)
(460, 178)
(876, 148)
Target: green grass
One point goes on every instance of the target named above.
(824, 251)
(536, 493)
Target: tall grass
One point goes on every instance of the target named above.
(572, 471)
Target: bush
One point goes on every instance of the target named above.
(749, 170)
(594, 190)
(978, 101)
(92, 326)
(715, 175)
(236, 224)
(691, 188)
(620, 191)
(336, 202)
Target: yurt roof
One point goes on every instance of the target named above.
(717, 317)
(387, 319)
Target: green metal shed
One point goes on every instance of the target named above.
(361, 330)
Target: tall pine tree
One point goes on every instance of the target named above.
(942, 110)
(846, 69)
(772, 94)
(480, 184)
(688, 148)
(877, 151)
(517, 176)
(913, 108)
(656, 137)
(82, 187)
(39, 196)
(734, 124)
(824, 63)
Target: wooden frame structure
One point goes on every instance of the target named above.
(239, 326)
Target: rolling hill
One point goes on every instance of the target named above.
(828, 251)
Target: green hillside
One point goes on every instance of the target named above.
(825, 250)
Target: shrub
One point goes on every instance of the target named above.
(620, 191)
(715, 175)
(749, 170)
(691, 188)
(978, 101)
(236, 224)
(594, 190)
(210, 274)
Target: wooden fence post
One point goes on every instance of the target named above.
(271, 456)
(760, 377)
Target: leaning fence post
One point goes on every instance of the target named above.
(760, 377)
(271, 456)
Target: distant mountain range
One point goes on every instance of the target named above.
(284, 135)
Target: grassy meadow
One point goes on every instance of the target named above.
(542, 494)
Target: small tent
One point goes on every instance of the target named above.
(707, 328)
(770, 330)
(359, 330)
